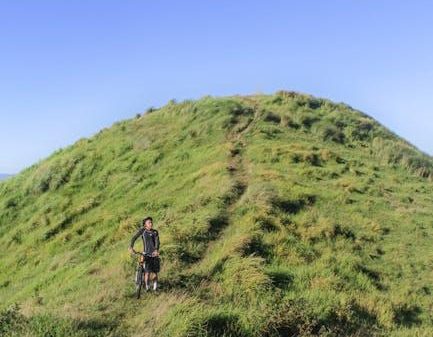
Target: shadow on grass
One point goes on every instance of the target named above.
(295, 318)
(407, 315)
(13, 323)
(280, 278)
(293, 206)
(221, 324)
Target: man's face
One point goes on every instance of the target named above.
(148, 224)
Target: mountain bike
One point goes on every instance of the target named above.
(139, 274)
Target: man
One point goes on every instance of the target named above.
(150, 239)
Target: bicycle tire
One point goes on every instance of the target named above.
(138, 282)
(138, 291)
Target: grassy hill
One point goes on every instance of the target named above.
(279, 215)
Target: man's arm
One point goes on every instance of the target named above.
(134, 238)
(157, 242)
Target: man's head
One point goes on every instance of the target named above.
(148, 222)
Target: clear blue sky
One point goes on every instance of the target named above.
(69, 68)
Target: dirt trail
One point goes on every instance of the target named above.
(238, 170)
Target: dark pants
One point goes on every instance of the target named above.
(151, 264)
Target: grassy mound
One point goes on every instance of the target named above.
(279, 215)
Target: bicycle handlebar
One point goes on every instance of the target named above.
(143, 254)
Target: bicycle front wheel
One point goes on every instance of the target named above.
(138, 282)
(138, 290)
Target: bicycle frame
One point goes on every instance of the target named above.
(139, 279)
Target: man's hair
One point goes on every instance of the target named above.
(147, 218)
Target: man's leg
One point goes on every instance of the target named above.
(155, 281)
(146, 280)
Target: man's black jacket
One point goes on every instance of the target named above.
(150, 240)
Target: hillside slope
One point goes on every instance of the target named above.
(279, 215)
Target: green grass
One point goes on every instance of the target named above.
(302, 217)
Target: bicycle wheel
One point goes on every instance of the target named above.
(138, 281)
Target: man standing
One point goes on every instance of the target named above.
(150, 239)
